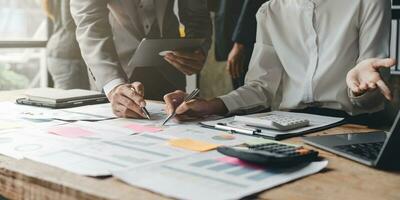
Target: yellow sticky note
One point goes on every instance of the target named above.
(192, 145)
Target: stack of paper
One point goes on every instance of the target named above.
(163, 159)
(116, 148)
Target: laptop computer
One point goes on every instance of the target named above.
(378, 149)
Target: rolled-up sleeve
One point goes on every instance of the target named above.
(375, 23)
(264, 76)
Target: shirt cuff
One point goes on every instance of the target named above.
(370, 100)
(113, 84)
(230, 103)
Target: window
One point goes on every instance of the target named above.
(23, 38)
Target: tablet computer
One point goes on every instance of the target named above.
(151, 52)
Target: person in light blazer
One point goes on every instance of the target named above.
(64, 59)
(312, 56)
(109, 31)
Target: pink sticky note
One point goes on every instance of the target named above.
(71, 132)
(238, 162)
(143, 128)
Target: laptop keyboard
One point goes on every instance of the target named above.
(367, 151)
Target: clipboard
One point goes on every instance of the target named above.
(318, 123)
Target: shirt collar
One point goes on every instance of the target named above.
(316, 2)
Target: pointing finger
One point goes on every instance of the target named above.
(384, 90)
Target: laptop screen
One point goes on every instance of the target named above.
(388, 157)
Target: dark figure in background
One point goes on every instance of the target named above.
(244, 37)
(235, 34)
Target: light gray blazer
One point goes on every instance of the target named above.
(62, 43)
(108, 33)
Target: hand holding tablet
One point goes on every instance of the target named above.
(151, 52)
(164, 53)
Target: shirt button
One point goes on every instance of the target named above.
(140, 6)
(147, 26)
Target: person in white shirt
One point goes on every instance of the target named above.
(303, 53)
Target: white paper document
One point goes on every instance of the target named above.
(212, 176)
(101, 110)
(62, 115)
(33, 141)
(89, 131)
(38, 114)
(26, 142)
(12, 117)
(100, 158)
(212, 136)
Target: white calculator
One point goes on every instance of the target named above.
(273, 121)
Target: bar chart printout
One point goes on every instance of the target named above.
(212, 176)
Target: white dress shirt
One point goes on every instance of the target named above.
(305, 48)
(146, 12)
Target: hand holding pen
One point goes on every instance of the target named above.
(179, 99)
(186, 107)
(127, 101)
(142, 107)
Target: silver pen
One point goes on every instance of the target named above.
(225, 127)
(144, 110)
(191, 96)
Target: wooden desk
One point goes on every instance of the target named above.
(343, 179)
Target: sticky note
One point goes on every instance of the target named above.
(143, 128)
(71, 132)
(192, 145)
(238, 162)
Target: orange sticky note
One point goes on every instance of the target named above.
(192, 145)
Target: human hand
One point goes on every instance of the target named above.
(193, 109)
(366, 77)
(235, 62)
(188, 63)
(127, 100)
